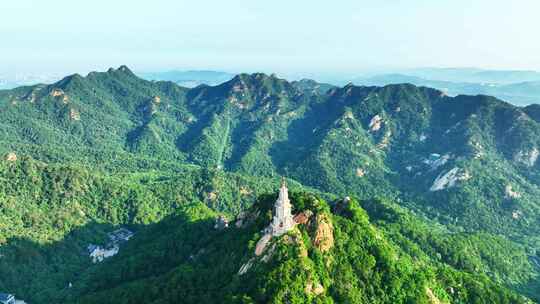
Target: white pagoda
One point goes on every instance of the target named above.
(283, 219)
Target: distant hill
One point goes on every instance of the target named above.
(474, 75)
(10, 81)
(189, 78)
(522, 93)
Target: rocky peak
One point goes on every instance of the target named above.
(311, 86)
(121, 71)
(260, 83)
(70, 82)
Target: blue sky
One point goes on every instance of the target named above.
(274, 36)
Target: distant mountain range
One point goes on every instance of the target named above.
(517, 87)
(9, 81)
(189, 79)
(474, 75)
(521, 93)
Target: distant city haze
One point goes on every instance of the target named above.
(285, 37)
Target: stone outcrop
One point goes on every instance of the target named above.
(302, 218)
(211, 196)
(376, 123)
(449, 179)
(432, 297)
(516, 214)
(313, 288)
(323, 238)
(12, 157)
(57, 93)
(261, 244)
(385, 141)
(245, 190)
(527, 158)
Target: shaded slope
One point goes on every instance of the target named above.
(360, 264)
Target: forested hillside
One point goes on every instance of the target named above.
(440, 180)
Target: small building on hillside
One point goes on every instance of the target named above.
(221, 223)
(6, 298)
(98, 253)
(120, 235)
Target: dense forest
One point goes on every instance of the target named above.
(445, 192)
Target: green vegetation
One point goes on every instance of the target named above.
(109, 149)
(184, 259)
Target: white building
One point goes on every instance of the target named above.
(6, 298)
(283, 219)
(98, 254)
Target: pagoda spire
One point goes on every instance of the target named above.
(283, 219)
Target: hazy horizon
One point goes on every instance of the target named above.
(284, 37)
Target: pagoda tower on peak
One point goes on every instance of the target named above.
(283, 219)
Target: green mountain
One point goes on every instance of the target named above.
(311, 86)
(518, 93)
(452, 176)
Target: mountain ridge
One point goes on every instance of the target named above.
(469, 163)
